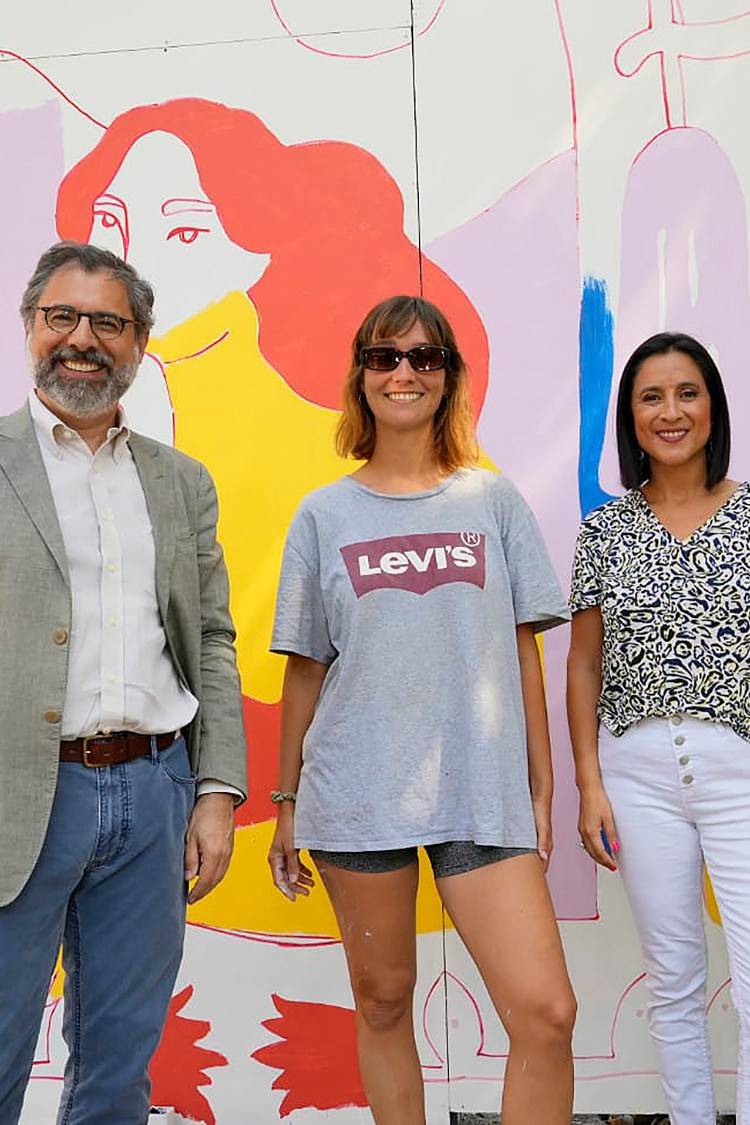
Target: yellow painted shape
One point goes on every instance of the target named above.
(266, 448)
(709, 897)
(247, 900)
(58, 979)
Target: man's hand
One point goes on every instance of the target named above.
(209, 842)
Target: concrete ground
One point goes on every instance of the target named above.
(584, 1119)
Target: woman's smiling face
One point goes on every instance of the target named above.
(671, 409)
(404, 399)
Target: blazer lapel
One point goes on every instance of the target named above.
(21, 460)
(158, 487)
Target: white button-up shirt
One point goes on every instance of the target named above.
(120, 672)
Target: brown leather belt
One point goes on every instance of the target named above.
(112, 749)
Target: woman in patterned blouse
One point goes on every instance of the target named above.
(659, 698)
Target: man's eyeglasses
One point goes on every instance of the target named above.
(64, 319)
(425, 357)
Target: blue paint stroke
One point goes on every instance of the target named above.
(596, 352)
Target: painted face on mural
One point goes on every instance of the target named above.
(156, 215)
(671, 409)
(77, 370)
(404, 399)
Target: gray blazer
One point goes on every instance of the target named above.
(35, 603)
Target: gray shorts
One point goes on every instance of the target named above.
(455, 857)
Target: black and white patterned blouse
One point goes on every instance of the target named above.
(676, 612)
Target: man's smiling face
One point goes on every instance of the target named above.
(80, 372)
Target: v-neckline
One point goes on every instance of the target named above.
(701, 526)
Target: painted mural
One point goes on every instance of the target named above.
(563, 178)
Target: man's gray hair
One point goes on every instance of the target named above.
(91, 259)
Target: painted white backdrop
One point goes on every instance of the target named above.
(565, 177)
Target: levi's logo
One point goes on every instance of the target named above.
(417, 563)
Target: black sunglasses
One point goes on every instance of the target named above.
(425, 357)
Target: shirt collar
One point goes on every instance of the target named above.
(49, 427)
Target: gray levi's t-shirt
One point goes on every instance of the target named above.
(412, 601)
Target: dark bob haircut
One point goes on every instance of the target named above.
(634, 464)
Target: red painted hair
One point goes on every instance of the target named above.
(327, 212)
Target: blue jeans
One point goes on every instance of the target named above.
(109, 884)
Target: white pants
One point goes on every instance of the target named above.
(680, 792)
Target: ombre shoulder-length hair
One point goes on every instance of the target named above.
(454, 428)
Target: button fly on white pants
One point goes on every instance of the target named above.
(668, 820)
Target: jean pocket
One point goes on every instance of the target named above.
(175, 763)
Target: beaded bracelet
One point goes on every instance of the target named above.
(278, 797)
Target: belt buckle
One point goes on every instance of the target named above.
(99, 737)
(86, 752)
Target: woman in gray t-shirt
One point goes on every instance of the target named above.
(413, 714)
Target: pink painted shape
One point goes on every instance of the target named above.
(31, 141)
(683, 192)
(518, 263)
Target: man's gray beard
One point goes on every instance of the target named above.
(83, 397)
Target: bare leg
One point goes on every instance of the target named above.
(504, 915)
(376, 916)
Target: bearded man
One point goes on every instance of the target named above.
(118, 694)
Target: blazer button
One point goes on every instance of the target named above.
(52, 716)
(60, 636)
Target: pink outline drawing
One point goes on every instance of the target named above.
(335, 54)
(201, 351)
(723, 987)
(573, 107)
(7, 55)
(669, 37)
(610, 1056)
(50, 1008)
(199, 206)
(284, 941)
(571, 71)
(122, 221)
